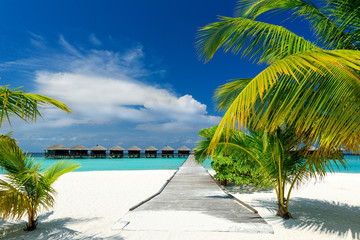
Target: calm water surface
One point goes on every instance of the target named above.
(111, 164)
(108, 164)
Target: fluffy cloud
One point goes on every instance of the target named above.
(101, 86)
(113, 96)
(98, 100)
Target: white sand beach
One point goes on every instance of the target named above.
(89, 203)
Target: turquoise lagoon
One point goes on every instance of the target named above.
(115, 164)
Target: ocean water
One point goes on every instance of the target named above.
(111, 164)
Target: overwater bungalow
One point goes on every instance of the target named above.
(98, 152)
(79, 151)
(134, 152)
(151, 152)
(56, 151)
(116, 152)
(183, 152)
(167, 152)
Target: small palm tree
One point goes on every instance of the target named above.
(26, 188)
(272, 158)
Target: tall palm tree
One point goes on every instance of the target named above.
(26, 187)
(313, 87)
(273, 158)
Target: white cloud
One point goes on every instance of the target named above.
(94, 40)
(111, 94)
(98, 100)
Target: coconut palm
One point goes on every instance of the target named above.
(272, 158)
(24, 105)
(313, 87)
(26, 186)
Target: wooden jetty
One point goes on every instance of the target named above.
(192, 201)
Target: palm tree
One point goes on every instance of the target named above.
(26, 187)
(271, 158)
(313, 87)
(24, 105)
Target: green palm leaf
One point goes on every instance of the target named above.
(302, 98)
(27, 188)
(227, 93)
(260, 41)
(329, 21)
(24, 105)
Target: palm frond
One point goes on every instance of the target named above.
(313, 100)
(330, 22)
(226, 94)
(53, 172)
(24, 105)
(13, 200)
(260, 41)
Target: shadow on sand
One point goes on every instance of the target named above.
(322, 216)
(46, 229)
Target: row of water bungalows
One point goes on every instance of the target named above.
(79, 151)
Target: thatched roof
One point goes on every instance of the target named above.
(56, 147)
(78, 148)
(116, 148)
(151, 148)
(167, 148)
(98, 148)
(183, 148)
(134, 148)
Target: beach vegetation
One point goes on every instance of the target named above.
(266, 159)
(237, 168)
(314, 87)
(26, 186)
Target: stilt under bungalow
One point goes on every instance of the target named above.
(79, 151)
(98, 152)
(183, 152)
(56, 151)
(167, 152)
(116, 152)
(134, 152)
(151, 152)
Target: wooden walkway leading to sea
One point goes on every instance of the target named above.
(192, 201)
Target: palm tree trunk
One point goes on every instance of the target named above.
(282, 211)
(31, 225)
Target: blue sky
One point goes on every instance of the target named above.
(127, 69)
